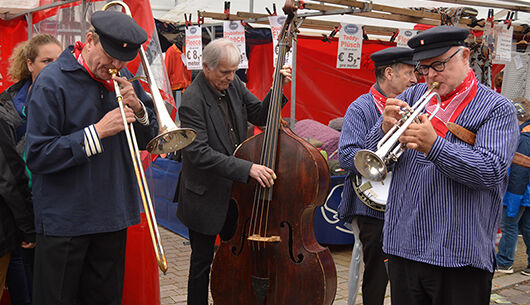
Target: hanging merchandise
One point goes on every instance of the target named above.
(516, 80)
(480, 61)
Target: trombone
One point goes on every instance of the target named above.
(373, 165)
(170, 138)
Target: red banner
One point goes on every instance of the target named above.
(323, 92)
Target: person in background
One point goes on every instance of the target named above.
(85, 193)
(26, 62)
(497, 82)
(443, 208)
(179, 75)
(394, 72)
(17, 227)
(516, 212)
(217, 105)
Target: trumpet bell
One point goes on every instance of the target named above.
(370, 165)
(171, 141)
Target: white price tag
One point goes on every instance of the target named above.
(404, 36)
(194, 47)
(235, 31)
(276, 23)
(350, 46)
(503, 43)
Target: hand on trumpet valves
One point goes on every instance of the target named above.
(112, 122)
(420, 136)
(129, 96)
(392, 113)
(264, 175)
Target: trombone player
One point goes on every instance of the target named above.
(84, 188)
(444, 206)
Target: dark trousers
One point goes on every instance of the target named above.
(202, 251)
(375, 277)
(415, 283)
(20, 276)
(79, 270)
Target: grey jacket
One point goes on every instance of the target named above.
(208, 166)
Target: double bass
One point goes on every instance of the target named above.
(273, 257)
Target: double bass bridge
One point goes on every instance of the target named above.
(268, 239)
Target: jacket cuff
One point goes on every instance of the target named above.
(92, 143)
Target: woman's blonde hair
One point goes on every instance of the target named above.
(18, 68)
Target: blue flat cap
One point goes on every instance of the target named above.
(120, 36)
(436, 41)
(390, 56)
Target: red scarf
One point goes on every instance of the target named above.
(78, 46)
(379, 99)
(453, 104)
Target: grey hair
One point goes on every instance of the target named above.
(221, 49)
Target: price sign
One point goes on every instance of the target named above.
(350, 46)
(276, 23)
(404, 36)
(235, 31)
(503, 43)
(194, 47)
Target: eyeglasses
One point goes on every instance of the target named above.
(437, 66)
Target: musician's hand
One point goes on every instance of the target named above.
(27, 245)
(129, 96)
(287, 72)
(392, 113)
(112, 122)
(420, 137)
(264, 175)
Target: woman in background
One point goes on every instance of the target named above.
(26, 62)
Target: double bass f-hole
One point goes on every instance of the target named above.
(273, 257)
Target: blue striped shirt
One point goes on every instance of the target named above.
(361, 115)
(444, 208)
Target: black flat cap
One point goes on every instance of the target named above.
(393, 55)
(120, 36)
(436, 41)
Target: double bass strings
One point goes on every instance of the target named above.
(263, 196)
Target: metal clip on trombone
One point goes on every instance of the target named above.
(373, 165)
(170, 138)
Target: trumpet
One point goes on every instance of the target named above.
(170, 138)
(373, 165)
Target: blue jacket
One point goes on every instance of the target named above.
(518, 193)
(360, 117)
(75, 194)
(444, 208)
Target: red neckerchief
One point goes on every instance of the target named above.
(453, 104)
(379, 99)
(78, 46)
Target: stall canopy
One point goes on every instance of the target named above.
(323, 92)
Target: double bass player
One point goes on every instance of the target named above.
(217, 105)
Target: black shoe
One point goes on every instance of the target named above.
(526, 271)
(503, 269)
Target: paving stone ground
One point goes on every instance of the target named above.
(506, 289)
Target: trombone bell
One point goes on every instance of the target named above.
(170, 141)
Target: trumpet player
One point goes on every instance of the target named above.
(84, 187)
(394, 72)
(444, 204)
